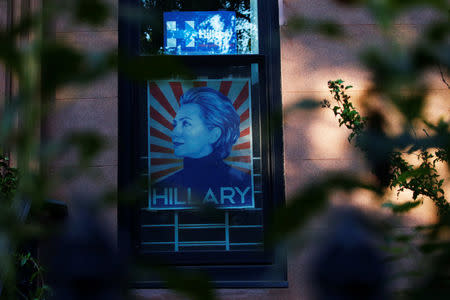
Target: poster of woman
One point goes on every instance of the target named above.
(200, 144)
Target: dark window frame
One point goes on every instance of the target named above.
(238, 269)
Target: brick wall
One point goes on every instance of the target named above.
(88, 107)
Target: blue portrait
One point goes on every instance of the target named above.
(204, 130)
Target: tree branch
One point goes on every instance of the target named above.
(443, 77)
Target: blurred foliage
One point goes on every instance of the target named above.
(326, 27)
(40, 65)
(8, 179)
(401, 160)
(422, 179)
(34, 285)
(300, 209)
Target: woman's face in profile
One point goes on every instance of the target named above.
(190, 135)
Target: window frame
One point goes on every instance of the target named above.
(245, 265)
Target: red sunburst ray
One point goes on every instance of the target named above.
(159, 96)
(156, 133)
(225, 87)
(245, 115)
(155, 115)
(244, 159)
(177, 90)
(245, 132)
(161, 149)
(242, 146)
(240, 99)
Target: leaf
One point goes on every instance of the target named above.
(410, 174)
(395, 250)
(401, 208)
(94, 12)
(404, 238)
(296, 24)
(33, 276)
(23, 260)
(192, 284)
(308, 104)
(62, 64)
(335, 109)
(435, 246)
(88, 143)
(308, 202)
(147, 69)
(330, 29)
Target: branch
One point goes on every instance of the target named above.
(443, 77)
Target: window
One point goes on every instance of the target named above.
(212, 169)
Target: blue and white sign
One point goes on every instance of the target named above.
(200, 32)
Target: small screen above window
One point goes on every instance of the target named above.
(200, 32)
(189, 27)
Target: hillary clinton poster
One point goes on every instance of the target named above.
(200, 144)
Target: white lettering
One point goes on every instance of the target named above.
(229, 197)
(210, 197)
(175, 192)
(242, 193)
(162, 197)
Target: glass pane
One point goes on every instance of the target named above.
(205, 191)
(193, 27)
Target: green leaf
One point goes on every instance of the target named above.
(145, 69)
(395, 250)
(88, 143)
(435, 246)
(94, 12)
(401, 208)
(296, 24)
(33, 276)
(192, 284)
(412, 173)
(23, 260)
(404, 238)
(308, 104)
(330, 29)
(310, 201)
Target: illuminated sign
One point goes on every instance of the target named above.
(200, 144)
(200, 32)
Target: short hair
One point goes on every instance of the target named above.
(217, 111)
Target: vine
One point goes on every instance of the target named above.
(8, 179)
(32, 285)
(423, 180)
(35, 283)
